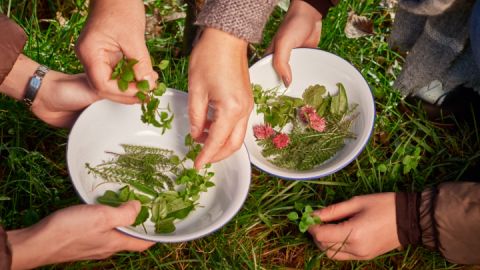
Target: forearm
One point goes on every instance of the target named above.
(15, 83)
(29, 248)
(244, 19)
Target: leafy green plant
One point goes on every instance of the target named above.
(151, 111)
(159, 179)
(303, 216)
(319, 125)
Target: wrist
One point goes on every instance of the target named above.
(224, 40)
(17, 80)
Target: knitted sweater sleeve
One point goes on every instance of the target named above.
(244, 19)
(445, 218)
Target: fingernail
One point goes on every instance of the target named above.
(286, 81)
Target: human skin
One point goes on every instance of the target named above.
(82, 232)
(60, 98)
(361, 228)
(218, 77)
(115, 29)
(301, 27)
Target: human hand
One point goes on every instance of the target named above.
(367, 228)
(62, 97)
(218, 76)
(80, 232)
(115, 29)
(301, 27)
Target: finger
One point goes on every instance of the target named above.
(143, 69)
(99, 68)
(333, 233)
(339, 211)
(218, 134)
(234, 142)
(197, 112)
(130, 243)
(341, 256)
(124, 215)
(280, 59)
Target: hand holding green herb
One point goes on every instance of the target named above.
(151, 111)
(167, 188)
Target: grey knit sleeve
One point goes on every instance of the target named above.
(244, 19)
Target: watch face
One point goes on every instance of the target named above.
(35, 82)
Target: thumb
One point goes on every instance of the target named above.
(125, 214)
(281, 56)
(339, 211)
(143, 69)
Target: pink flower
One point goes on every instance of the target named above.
(305, 113)
(318, 123)
(262, 132)
(281, 140)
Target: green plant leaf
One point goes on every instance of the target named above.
(292, 216)
(142, 216)
(122, 85)
(143, 86)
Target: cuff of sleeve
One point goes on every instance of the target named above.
(408, 228)
(5, 252)
(244, 19)
(12, 41)
(322, 6)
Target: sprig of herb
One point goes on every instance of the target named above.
(151, 111)
(303, 216)
(159, 179)
(318, 126)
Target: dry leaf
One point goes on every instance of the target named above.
(358, 26)
(61, 20)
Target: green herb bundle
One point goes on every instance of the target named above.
(151, 111)
(159, 179)
(301, 133)
(303, 216)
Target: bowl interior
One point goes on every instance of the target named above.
(105, 125)
(313, 66)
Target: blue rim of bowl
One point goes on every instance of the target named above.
(359, 151)
(125, 230)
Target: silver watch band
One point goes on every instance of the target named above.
(34, 84)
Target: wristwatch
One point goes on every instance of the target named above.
(34, 84)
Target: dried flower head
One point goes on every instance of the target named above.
(317, 122)
(281, 140)
(262, 132)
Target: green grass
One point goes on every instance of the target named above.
(34, 179)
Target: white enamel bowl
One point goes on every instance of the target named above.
(105, 125)
(313, 66)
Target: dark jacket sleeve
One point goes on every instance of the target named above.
(12, 40)
(445, 218)
(322, 6)
(5, 254)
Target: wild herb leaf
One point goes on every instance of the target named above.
(158, 178)
(319, 126)
(151, 111)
